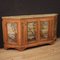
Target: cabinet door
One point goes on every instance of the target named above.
(11, 32)
(44, 28)
(30, 31)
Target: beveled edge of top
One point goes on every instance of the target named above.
(30, 16)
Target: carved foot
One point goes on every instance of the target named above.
(5, 47)
(51, 43)
(20, 49)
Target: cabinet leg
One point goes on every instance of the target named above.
(5, 48)
(51, 43)
(20, 49)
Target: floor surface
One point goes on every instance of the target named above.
(47, 52)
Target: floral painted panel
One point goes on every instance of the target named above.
(44, 30)
(12, 32)
(31, 31)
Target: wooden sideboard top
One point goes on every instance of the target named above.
(30, 16)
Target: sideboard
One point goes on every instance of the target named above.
(24, 31)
